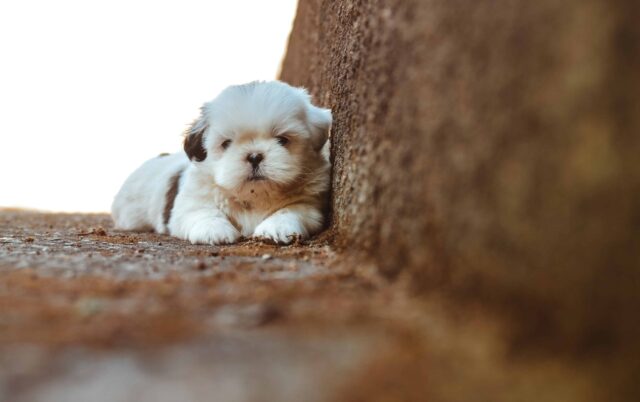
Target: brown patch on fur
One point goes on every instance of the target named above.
(234, 222)
(194, 147)
(193, 140)
(172, 192)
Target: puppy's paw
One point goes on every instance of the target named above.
(215, 231)
(283, 228)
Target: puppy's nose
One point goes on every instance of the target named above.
(255, 159)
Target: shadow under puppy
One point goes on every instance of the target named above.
(253, 166)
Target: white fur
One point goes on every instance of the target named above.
(140, 202)
(217, 202)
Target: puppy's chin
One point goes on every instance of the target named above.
(236, 176)
(244, 183)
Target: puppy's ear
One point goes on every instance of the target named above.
(194, 139)
(319, 122)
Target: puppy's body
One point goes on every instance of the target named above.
(252, 166)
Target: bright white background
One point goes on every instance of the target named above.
(90, 89)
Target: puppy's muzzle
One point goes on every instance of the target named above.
(254, 159)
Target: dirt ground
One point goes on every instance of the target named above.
(88, 313)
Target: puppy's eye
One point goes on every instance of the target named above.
(282, 140)
(225, 144)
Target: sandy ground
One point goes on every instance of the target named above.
(92, 314)
(89, 313)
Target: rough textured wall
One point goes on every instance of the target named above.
(489, 148)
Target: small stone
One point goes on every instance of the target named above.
(201, 266)
(89, 306)
(267, 256)
(99, 231)
(248, 316)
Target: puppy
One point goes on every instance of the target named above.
(253, 165)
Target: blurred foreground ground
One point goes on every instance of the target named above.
(91, 314)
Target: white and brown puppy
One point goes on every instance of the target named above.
(253, 166)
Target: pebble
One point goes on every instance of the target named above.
(201, 266)
(89, 306)
(248, 316)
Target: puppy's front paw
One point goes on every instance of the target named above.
(216, 231)
(282, 228)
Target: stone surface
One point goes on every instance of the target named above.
(490, 150)
(91, 314)
(88, 313)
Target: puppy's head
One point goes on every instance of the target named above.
(261, 135)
